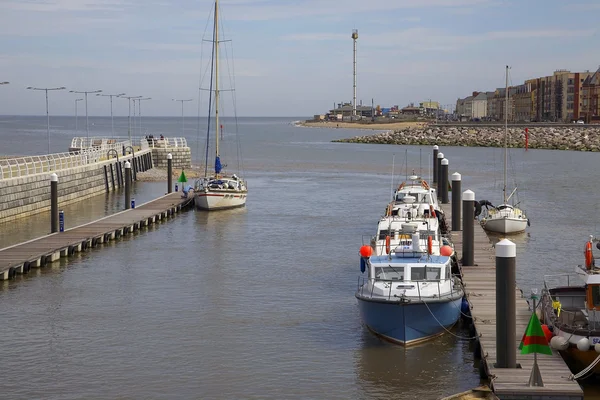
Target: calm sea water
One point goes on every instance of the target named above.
(258, 302)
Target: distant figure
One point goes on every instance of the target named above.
(161, 136)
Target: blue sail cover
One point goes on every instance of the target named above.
(218, 166)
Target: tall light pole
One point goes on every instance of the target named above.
(47, 114)
(87, 126)
(182, 120)
(76, 101)
(354, 39)
(112, 121)
(140, 111)
(129, 118)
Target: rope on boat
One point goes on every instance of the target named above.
(585, 370)
(446, 329)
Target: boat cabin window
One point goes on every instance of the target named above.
(424, 234)
(383, 234)
(425, 273)
(389, 273)
(593, 297)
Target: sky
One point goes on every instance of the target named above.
(288, 57)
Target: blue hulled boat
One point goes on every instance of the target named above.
(409, 295)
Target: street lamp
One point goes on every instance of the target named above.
(182, 120)
(112, 121)
(76, 100)
(140, 110)
(47, 114)
(129, 118)
(87, 127)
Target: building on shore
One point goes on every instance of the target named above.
(564, 96)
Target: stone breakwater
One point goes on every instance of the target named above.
(551, 138)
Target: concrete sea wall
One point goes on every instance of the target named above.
(554, 138)
(182, 157)
(30, 194)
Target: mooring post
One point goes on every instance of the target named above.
(53, 203)
(127, 185)
(456, 191)
(436, 149)
(444, 181)
(506, 260)
(468, 202)
(439, 173)
(169, 173)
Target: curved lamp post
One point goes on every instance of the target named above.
(182, 120)
(112, 121)
(87, 126)
(47, 114)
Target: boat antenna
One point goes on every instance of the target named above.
(392, 185)
(505, 133)
(420, 163)
(406, 163)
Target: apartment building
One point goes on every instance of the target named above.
(590, 92)
(562, 97)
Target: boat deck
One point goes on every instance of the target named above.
(20, 258)
(480, 289)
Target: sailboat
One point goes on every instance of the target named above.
(217, 190)
(505, 218)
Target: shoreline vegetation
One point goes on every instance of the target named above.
(421, 134)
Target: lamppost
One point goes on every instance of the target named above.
(182, 120)
(112, 121)
(140, 111)
(87, 126)
(47, 114)
(76, 100)
(129, 117)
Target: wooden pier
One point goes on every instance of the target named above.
(36, 253)
(480, 289)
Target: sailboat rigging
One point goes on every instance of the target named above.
(217, 191)
(505, 218)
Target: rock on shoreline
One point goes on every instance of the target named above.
(550, 138)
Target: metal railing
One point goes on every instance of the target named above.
(24, 166)
(136, 141)
(454, 284)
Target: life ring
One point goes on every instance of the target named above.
(425, 185)
(432, 212)
(589, 257)
(429, 245)
(387, 244)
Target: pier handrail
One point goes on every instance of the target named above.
(29, 165)
(142, 142)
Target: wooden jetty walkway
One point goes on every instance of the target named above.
(480, 289)
(20, 258)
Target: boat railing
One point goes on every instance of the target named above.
(561, 280)
(454, 284)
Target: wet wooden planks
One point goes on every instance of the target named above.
(480, 289)
(38, 252)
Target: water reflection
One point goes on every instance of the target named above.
(390, 371)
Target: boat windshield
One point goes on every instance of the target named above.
(504, 206)
(425, 273)
(389, 273)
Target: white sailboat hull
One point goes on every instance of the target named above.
(210, 200)
(504, 224)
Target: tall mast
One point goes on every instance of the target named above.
(505, 133)
(217, 78)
